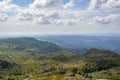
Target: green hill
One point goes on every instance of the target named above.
(27, 44)
(19, 49)
(31, 59)
(93, 53)
(98, 56)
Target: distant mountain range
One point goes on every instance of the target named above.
(80, 43)
(83, 42)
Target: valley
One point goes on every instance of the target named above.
(31, 59)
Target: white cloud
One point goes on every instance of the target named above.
(3, 17)
(45, 3)
(106, 19)
(95, 3)
(104, 4)
(24, 15)
(6, 5)
(92, 4)
(69, 4)
(55, 12)
(49, 12)
(41, 20)
(111, 4)
(43, 16)
(63, 21)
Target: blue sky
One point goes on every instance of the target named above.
(59, 16)
(78, 3)
(22, 2)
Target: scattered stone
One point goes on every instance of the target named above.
(71, 74)
(27, 79)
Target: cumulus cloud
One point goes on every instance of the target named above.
(3, 17)
(106, 19)
(56, 12)
(104, 4)
(69, 4)
(6, 5)
(45, 3)
(92, 4)
(25, 15)
(63, 21)
(51, 3)
(45, 12)
(110, 4)
(42, 16)
(95, 3)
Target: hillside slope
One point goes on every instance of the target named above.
(31, 59)
(19, 49)
(27, 44)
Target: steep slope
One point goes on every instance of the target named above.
(5, 65)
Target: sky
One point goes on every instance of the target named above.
(27, 17)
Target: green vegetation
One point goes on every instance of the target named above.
(30, 59)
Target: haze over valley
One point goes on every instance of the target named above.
(59, 39)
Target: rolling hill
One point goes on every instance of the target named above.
(31, 59)
(19, 49)
(28, 44)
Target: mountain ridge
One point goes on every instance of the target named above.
(85, 42)
(28, 43)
